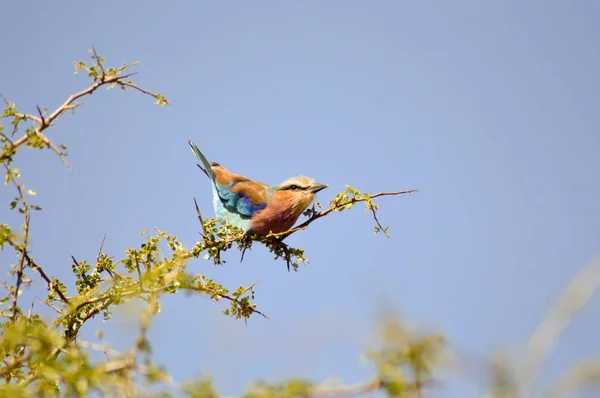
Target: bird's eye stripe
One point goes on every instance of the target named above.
(295, 187)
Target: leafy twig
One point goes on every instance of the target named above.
(105, 77)
(23, 247)
(316, 216)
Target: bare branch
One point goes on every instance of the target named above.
(101, 247)
(127, 83)
(50, 305)
(95, 270)
(49, 281)
(200, 219)
(374, 213)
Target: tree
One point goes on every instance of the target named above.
(44, 358)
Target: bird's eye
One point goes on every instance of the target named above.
(294, 187)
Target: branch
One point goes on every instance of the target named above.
(95, 270)
(110, 77)
(274, 241)
(127, 83)
(102, 302)
(14, 363)
(32, 264)
(49, 282)
(200, 219)
(23, 248)
(323, 213)
(236, 299)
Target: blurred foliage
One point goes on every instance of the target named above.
(48, 358)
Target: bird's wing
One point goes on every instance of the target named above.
(239, 194)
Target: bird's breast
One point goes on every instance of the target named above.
(278, 216)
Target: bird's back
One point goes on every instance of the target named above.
(237, 198)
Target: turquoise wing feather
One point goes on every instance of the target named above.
(236, 197)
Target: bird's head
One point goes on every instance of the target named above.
(298, 192)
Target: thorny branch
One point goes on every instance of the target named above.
(49, 281)
(316, 216)
(22, 248)
(26, 259)
(103, 301)
(103, 78)
(35, 136)
(277, 239)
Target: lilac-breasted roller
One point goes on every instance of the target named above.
(254, 206)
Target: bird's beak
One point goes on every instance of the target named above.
(318, 187)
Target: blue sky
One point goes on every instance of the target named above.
(490, 109)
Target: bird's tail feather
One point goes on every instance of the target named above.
(207, 169)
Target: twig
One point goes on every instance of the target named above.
(325, 212)
(201, 220)
(85, 278)
(286, 250)
(51, 145)
(95, 270)
(101, 247)
(41, 114)
(243, 252)
(50, 305)
(122, 83)
(6, 138)
(246, 289)
(236, 299)
(105, 301)
(23, 249)
(49, 282)
(97, 59)
(44, 123)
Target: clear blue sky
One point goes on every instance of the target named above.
(490, 109)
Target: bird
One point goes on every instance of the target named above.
(253, 206)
